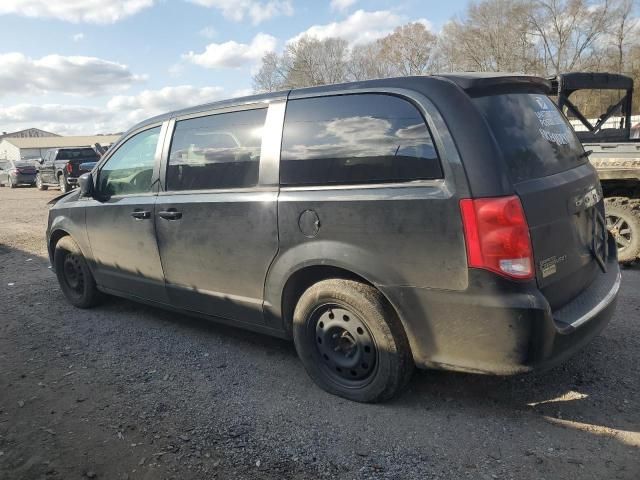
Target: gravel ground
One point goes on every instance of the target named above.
(128, 391)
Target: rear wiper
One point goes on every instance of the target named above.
(586, 154)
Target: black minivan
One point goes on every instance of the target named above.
(450, 221)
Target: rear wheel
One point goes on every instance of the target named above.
(64, 186)
(74, 276)
(39, 184)
(351, 342)
(623, 221)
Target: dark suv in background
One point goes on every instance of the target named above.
(450, 221)
(61, 167)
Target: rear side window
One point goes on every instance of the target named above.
(216, 151)
(351, 139)
(535, 138)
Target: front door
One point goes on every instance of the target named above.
(120, 224)
(216, 227)
(47, 168)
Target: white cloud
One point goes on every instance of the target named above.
(208, 32)
(359, 27)
(257, 11)
(232, 54)
(57, 73)
(91, 11)
(119, 114)
(342, 5)
(78, 37)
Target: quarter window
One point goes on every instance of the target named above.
(130, 169)
(350, 139)
(216, 151)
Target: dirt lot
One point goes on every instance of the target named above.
(128, 391)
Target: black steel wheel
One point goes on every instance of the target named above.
(345, 345)
(74, 276)
(351, 342)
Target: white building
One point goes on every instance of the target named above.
(34, 147)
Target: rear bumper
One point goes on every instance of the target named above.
(501, 327)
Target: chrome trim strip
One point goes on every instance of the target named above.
(602, 304)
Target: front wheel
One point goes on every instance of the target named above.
(75, 279)
(64, 186)
(351, 342)
(39, 184)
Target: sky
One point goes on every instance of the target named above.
(100, 66)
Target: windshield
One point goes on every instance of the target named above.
(535, 138)
(87, 153)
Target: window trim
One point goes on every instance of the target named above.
(164, 166)
(393, 92)
(156, 157)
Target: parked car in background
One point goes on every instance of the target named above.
(451, 221)
(17, 172)
(61, 167)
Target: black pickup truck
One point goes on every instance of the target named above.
(61, 167)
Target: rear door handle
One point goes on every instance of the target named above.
(170, 214)
(140, 214)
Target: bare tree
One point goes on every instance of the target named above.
(569, 31)
(317, 62)
(625, 31)
(491, 36)
(273, 73)
(366, 62)
(408, 49)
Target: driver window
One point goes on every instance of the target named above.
(130, 168)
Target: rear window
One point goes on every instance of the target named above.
(77, 153)
(535, 138)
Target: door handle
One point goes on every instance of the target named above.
(170, 214)
(140, 214)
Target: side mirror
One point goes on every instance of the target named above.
(86, 185)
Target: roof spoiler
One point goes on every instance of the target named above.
(489, 83)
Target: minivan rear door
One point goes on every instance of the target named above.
(559, 190)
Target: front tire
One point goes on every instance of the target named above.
(623, 221)
(351, 342)
(75, 279)
(64, 186)
(39, 185)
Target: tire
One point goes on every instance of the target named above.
(75, 279)
(623, 221)
(39, 184)
(351, 342)
(64, 186)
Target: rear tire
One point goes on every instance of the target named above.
(75, 279)
(351, 342)
(39, 184)
(623, 221)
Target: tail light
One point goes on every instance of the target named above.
(14, 171)
(497, 236)
(69, 167)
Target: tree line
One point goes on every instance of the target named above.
(539, 37)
